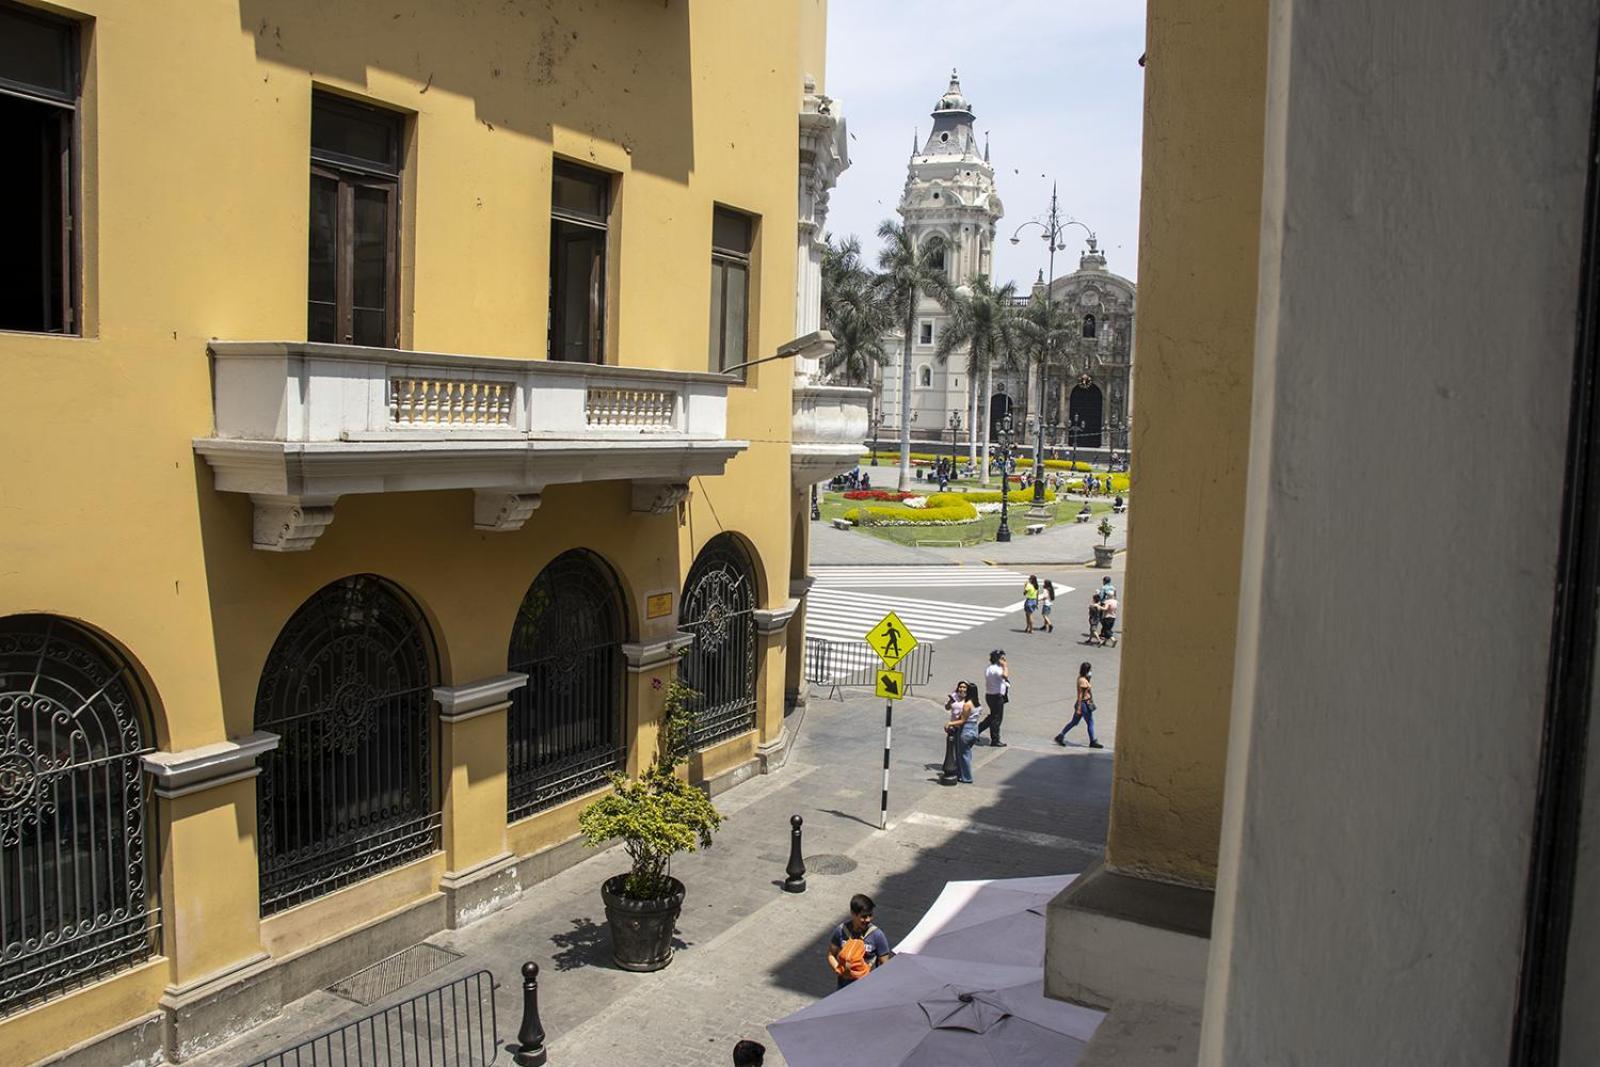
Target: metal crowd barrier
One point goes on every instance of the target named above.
(848, 664)
(451, 1026)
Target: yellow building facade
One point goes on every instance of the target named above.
(353, 535)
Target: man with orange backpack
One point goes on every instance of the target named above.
(857, 946)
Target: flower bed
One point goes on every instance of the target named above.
(934, 514)
(893, 495)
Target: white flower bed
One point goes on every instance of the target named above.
(915, 501)
(921, 522)
(988, 509)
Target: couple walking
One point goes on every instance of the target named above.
(1038, 598)
(962, 704)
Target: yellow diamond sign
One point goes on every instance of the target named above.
(891, 640)
(891, 685)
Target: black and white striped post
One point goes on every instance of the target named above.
(888, 722)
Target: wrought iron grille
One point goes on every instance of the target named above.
(451, 1026)
(74, 872)
(349, 791)
(719, 609)
(564, 731)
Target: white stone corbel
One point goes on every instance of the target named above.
(658, 498)
(502, 510)
(289, 523)
(799, 587)
(458, 703)
(647, 655)
(772, 620)
(208, 766)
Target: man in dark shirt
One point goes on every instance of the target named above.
(857, 946)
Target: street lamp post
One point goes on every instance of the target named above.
(1054, 233)
(1007, 443)
(877, 424)
(955, 430)
(1074, 428)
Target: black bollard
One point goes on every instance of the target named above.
(951, 769)
(796, 882)
(530, 1038)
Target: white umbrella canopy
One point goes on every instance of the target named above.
(923, 1011)
(992, 920)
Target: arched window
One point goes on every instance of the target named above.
(349, 791)
(719, 601)
(1088, 324)
(75, 900)
(564, 732)
(925, 377)
(934, 253)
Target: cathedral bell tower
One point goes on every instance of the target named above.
(949, 198)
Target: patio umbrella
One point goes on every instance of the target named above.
(923, 1011)
(993, 920)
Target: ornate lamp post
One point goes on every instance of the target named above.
(1054, 234)
(1074, 428)
(955, 429)
(1007, 445)
(876, 425)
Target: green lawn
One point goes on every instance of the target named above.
(834, 505)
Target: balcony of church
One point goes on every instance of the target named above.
(300, 425)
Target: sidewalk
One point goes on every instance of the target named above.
(750, 953)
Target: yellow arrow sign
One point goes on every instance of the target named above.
(891, 640)
(891, 685)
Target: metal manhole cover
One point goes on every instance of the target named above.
(372, 984)
(829, 863)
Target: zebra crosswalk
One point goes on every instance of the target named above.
(839, 607)
(936, 577)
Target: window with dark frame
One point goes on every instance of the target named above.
(580, 211)
(925, 334)
(732, 236)
(38, 120)
(354, 278)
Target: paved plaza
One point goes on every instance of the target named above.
(749, 953)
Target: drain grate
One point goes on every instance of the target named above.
(829, 863)
(372, 984)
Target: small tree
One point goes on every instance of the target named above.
(659, 813)
(1104, 529)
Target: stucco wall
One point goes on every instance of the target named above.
(1204, 84)
(1425, 172)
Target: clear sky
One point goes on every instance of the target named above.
(1056, 84)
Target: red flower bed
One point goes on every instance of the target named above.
(892, 495)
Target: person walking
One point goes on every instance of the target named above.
(1094, 619)
(963, 723)
(1047, 600)
(1082, 708)
(996, 691)
(1030, 602)
(856, 945)
(1106, 588)
(1108, 620)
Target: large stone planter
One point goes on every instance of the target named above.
(641, 930)
(1103, 555)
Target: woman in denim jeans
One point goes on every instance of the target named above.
(1082, 708)
(963, 708)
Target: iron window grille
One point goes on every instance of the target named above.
(75, 897)
(719, 610)
(564, 730)
(348, 793)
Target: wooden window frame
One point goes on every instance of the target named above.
(65, 223)
(746, 259)
(349, 175)
(599, 269)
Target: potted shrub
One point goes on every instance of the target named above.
(1103, 551)
(656, 815)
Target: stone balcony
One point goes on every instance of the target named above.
(298, 425)
(830, 421)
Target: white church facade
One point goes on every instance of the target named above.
(951, 210)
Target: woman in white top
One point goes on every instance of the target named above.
(963, 708)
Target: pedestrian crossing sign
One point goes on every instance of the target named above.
(891, 640)
(891, 685)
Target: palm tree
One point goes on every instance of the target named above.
(907, 273)
(1050, 341)
(983, 320)
(854, 312)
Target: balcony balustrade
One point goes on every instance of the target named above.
(299, 425)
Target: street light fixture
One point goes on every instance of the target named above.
(1054, 233)
(1007, 445)
(955, 430)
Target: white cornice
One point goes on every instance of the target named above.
(458, 703)
(192, 769)
(648, 655)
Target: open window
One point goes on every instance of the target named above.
(580, 213)
(38, 120)
(732, 237)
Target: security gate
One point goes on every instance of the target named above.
(719, 610)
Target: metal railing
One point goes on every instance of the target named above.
(451, 1026)
(848, 664)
